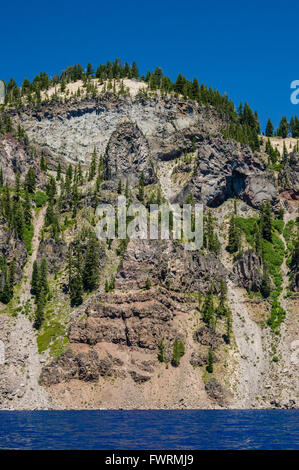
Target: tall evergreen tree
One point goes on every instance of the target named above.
(208, 312)
(266, 221)
(233, 236)
(283, 130)
(91, 266)
(269, 128)
(210, 366)
(35, 279)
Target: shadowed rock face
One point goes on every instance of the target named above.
(289, 175)
(137, 319)
(15, 158)
(127, 155)
(170, 265)
(249, 271)
(226, 170)
(13, 249)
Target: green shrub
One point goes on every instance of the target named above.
(278, 225)
(27, 237)
(178, 352)
(247, 226)
(277, 316)
(40, 198)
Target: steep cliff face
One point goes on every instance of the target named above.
(141, 339)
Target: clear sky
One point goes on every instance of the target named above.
(248, 49)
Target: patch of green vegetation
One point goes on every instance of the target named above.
(178, 352)
(247, 226)
(278, 225)
(273, 255)
(277, 316)
(27, 237)
(275, 166)
(49, 334)
(40, 198)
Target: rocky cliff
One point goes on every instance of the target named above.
(140, 339)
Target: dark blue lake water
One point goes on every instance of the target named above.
(183, 429)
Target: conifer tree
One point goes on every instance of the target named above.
(266, 221)
(258, 242)
(27, 209)
(43, 165)
(178, 352)
(91, 272)
(35, 279)
(229, 326)
(283, 130)
(221, 310)
(195, 89)
(93, 165)
(141, 188)
(233, 236)
(210, 367)
(269, 128)
(134, 70)
(39, 312)
(161, 355)
(119, 188)
(30, 181)
(58, 173)
(43, 278)
(208, 312)
(127, 189)
(75, 278)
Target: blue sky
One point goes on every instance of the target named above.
(249, 50)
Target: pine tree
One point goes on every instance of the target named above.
(148, 283)
(208, 312)
(266, 221)
(90, 273)
(127, 189)
(93, 165)
(229, 326)
(30, 181)
(161, 346)
(210, 367)
(134, 70)
(119, 188)
(269, 128)
(233, 236)
(43, 165)
(211, 241)
(283, 130)
(27, 209)
(39, 313)
(58, 174)
(178, 352)
(141, 188)
(43, 278)
(195, 89)
(221, 310)
(258, 242)
(35, 279)
(75, 278)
